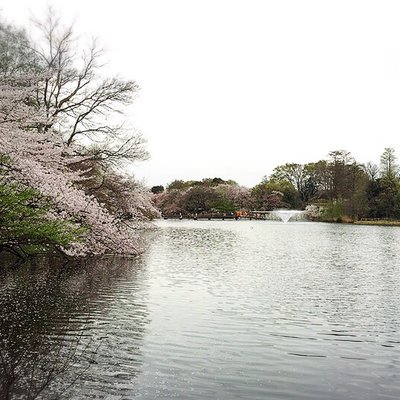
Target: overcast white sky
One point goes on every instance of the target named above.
(234, 88)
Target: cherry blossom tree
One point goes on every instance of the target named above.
(36, 159)
(63, 140)
(240, 196)
(121, 195)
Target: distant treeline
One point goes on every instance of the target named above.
(341, 189)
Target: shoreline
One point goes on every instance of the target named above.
(381, 222)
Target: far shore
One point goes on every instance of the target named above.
(376, 222)
(381, 222)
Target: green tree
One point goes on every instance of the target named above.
(200, 198)
(340, 164)
(26, 224)
(388, 166)
(178, 184)
(270, 194)
(157, 189)
(384, 198)
(384, 193)
(224, 201)
(302, 177)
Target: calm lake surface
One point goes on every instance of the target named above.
(217, 310)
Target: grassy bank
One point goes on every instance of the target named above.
(380, 222)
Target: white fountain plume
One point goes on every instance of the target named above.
(285, 215)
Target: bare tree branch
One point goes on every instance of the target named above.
(80, 104)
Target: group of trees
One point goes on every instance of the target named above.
(342, 188)
(62, 143)
(63, 140)
(192, 197)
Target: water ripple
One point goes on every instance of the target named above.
(228, 310)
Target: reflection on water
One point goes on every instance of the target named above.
(216, 310)
(61, 326)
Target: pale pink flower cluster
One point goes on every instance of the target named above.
(38, 159)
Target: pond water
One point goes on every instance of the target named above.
(212, 310)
